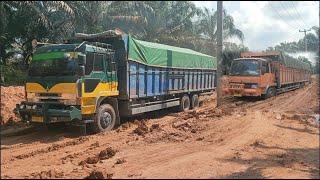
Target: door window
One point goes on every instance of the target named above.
(98, 62)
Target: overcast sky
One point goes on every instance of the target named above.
(267, 23)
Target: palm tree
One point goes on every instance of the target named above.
(89, 15)
(27, 20)
(157, 21)
(207, 26)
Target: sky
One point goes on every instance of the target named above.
(267, 23)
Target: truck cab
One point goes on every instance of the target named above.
(251, 77)
(65, 81)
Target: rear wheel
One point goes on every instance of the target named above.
(195, 101)
(105, 119)
(185, 103)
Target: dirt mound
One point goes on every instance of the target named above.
(142, 128)
(104, 154)
(91, 160)
(95, 174)
(120, 161)
(47, 174)
(155, 127)
(305, 118)
(10, 96)
(107, 153)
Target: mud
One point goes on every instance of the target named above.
(244, 138)
(10, 96)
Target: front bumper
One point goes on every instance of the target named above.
(45, 112)
(242, 92)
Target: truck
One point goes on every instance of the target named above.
(96, 79)
(265, 74)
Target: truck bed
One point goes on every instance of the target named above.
(143, 81)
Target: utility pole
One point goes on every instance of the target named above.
(219, 50)
(305, 40)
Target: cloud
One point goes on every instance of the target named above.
(266, 24)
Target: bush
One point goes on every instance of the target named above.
(13, 76)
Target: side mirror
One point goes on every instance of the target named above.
(81, 60)
(81, 71)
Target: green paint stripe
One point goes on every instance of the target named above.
(48, 56)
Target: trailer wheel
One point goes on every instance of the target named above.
(195, 101)
(105, 119)
(185, 103)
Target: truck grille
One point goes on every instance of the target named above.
(236, 86)
(49, 100)
(49, 95)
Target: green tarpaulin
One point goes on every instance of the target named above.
(161, 55)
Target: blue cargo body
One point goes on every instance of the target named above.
(145, 88)
(147, 81)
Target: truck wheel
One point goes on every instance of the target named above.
(195, 101)
(185, 103)
(105, 119)
(270, 92)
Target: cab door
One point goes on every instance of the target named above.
(95, 73)
(267, 77)
(111, 71)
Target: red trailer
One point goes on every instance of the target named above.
(266, 74)
(290, 73)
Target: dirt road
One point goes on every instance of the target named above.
(275, 138)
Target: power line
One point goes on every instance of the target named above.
(298, 13)
(287, 12)
(280, 15)
(293, 30)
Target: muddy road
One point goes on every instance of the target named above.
(274, 138)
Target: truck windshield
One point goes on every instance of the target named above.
(53, 67)
(247, 67)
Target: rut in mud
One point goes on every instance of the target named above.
(273, 138)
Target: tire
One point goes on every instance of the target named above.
(194, 101)
(185, 103)
(104, 119)
(270, 92)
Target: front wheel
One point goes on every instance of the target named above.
(270, 92)
(105, 119)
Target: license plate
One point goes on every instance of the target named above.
(37, 118)
(238, 95)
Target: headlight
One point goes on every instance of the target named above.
(31, 95)
(21, 106)
(67, 55)
(251, 86)
(34, 107)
